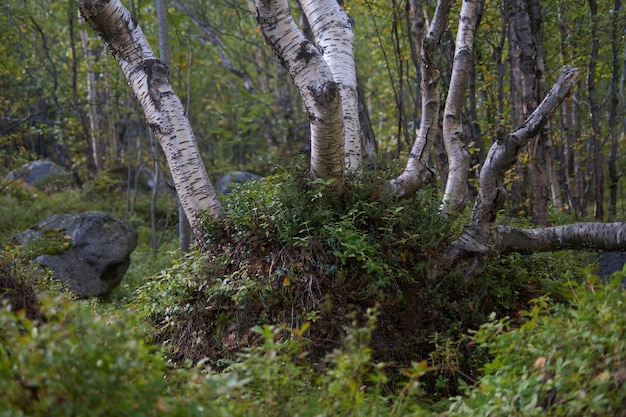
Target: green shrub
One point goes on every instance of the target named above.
(75, 362)
(565, 360)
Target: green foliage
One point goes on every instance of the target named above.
(378, 241)
(169, 290)
(564, 360)
(274, 379)
(75, 361)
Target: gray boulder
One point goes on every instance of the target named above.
(45, 175)
(36, 171)
(89, 252)
(228, 182)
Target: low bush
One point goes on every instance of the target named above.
(564, 360)
(73, 361)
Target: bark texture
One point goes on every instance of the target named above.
(455, 194)
(334, 36)
(481, 236)
(316, 83)
(605, 236)
(417, 171)
(148, 78)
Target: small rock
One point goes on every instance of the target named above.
(227, 183)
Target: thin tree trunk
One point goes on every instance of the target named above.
(455, 195)
(95, 125)
(567, 123)
(148, 78)
(613, 106)
(527, 77)
(78, 108)
(596, 154)
(417, 171)
(541, 166)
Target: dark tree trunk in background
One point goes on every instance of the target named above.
(596, 155)
(527, 68)
(613, 106)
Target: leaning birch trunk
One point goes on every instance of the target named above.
(334, 35)
(317, 86)
(481, 238)
(165, 115)
(417, 172)
(454, 198)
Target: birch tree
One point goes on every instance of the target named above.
(148, 78)
(323, 71)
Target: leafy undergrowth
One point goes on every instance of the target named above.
(284, 258)
(297, 308)
(71, 359)
(562, 361)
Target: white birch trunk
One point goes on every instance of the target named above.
(605, 236)
(316, 83)
(455, 195)
(164, 113)
(417, 172)
(334, 36)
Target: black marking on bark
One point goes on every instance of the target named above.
(156, 128)
(325, 94)
(157, 75)
(306, 51)
(89, 8)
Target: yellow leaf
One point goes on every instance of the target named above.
(286, 282)
(540, 362)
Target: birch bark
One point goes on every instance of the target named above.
(417, 172)
(164, 113)
(455, 194)
(481, 236)
(318, 88)
(334, 36)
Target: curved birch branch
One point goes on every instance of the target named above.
(149, 79)
(417, 172)
(503, 153)
(481, 238)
